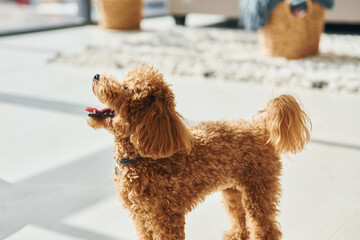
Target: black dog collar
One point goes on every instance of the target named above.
(127, 160)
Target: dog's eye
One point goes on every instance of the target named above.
(126, 88)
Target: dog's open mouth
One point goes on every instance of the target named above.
(298, 8)
(299, 13)
(103, 113)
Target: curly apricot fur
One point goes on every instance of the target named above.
(179, 166)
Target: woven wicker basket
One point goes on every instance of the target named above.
(120, 14)
(288, 36)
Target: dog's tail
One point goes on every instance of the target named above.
(287, 124)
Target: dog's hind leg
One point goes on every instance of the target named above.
(260, 200)
(232, 200)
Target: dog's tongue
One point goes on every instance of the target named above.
(299, 12)
(91, 110)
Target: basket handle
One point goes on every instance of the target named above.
(308, 11)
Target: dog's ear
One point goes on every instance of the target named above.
(158, 131)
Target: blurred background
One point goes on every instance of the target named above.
(18, 16)
(56, 172)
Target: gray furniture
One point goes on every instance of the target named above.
(345, 11)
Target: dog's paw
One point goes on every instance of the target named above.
(236, 235)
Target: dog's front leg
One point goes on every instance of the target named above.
(140, 225)
(166, 225)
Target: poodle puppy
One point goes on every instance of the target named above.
(165, 168)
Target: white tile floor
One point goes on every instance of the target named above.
(36, 232)
(55, 171)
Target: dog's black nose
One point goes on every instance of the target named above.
(96, 77)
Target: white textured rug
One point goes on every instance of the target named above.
(226, 54)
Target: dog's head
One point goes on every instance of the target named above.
(141, 107)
